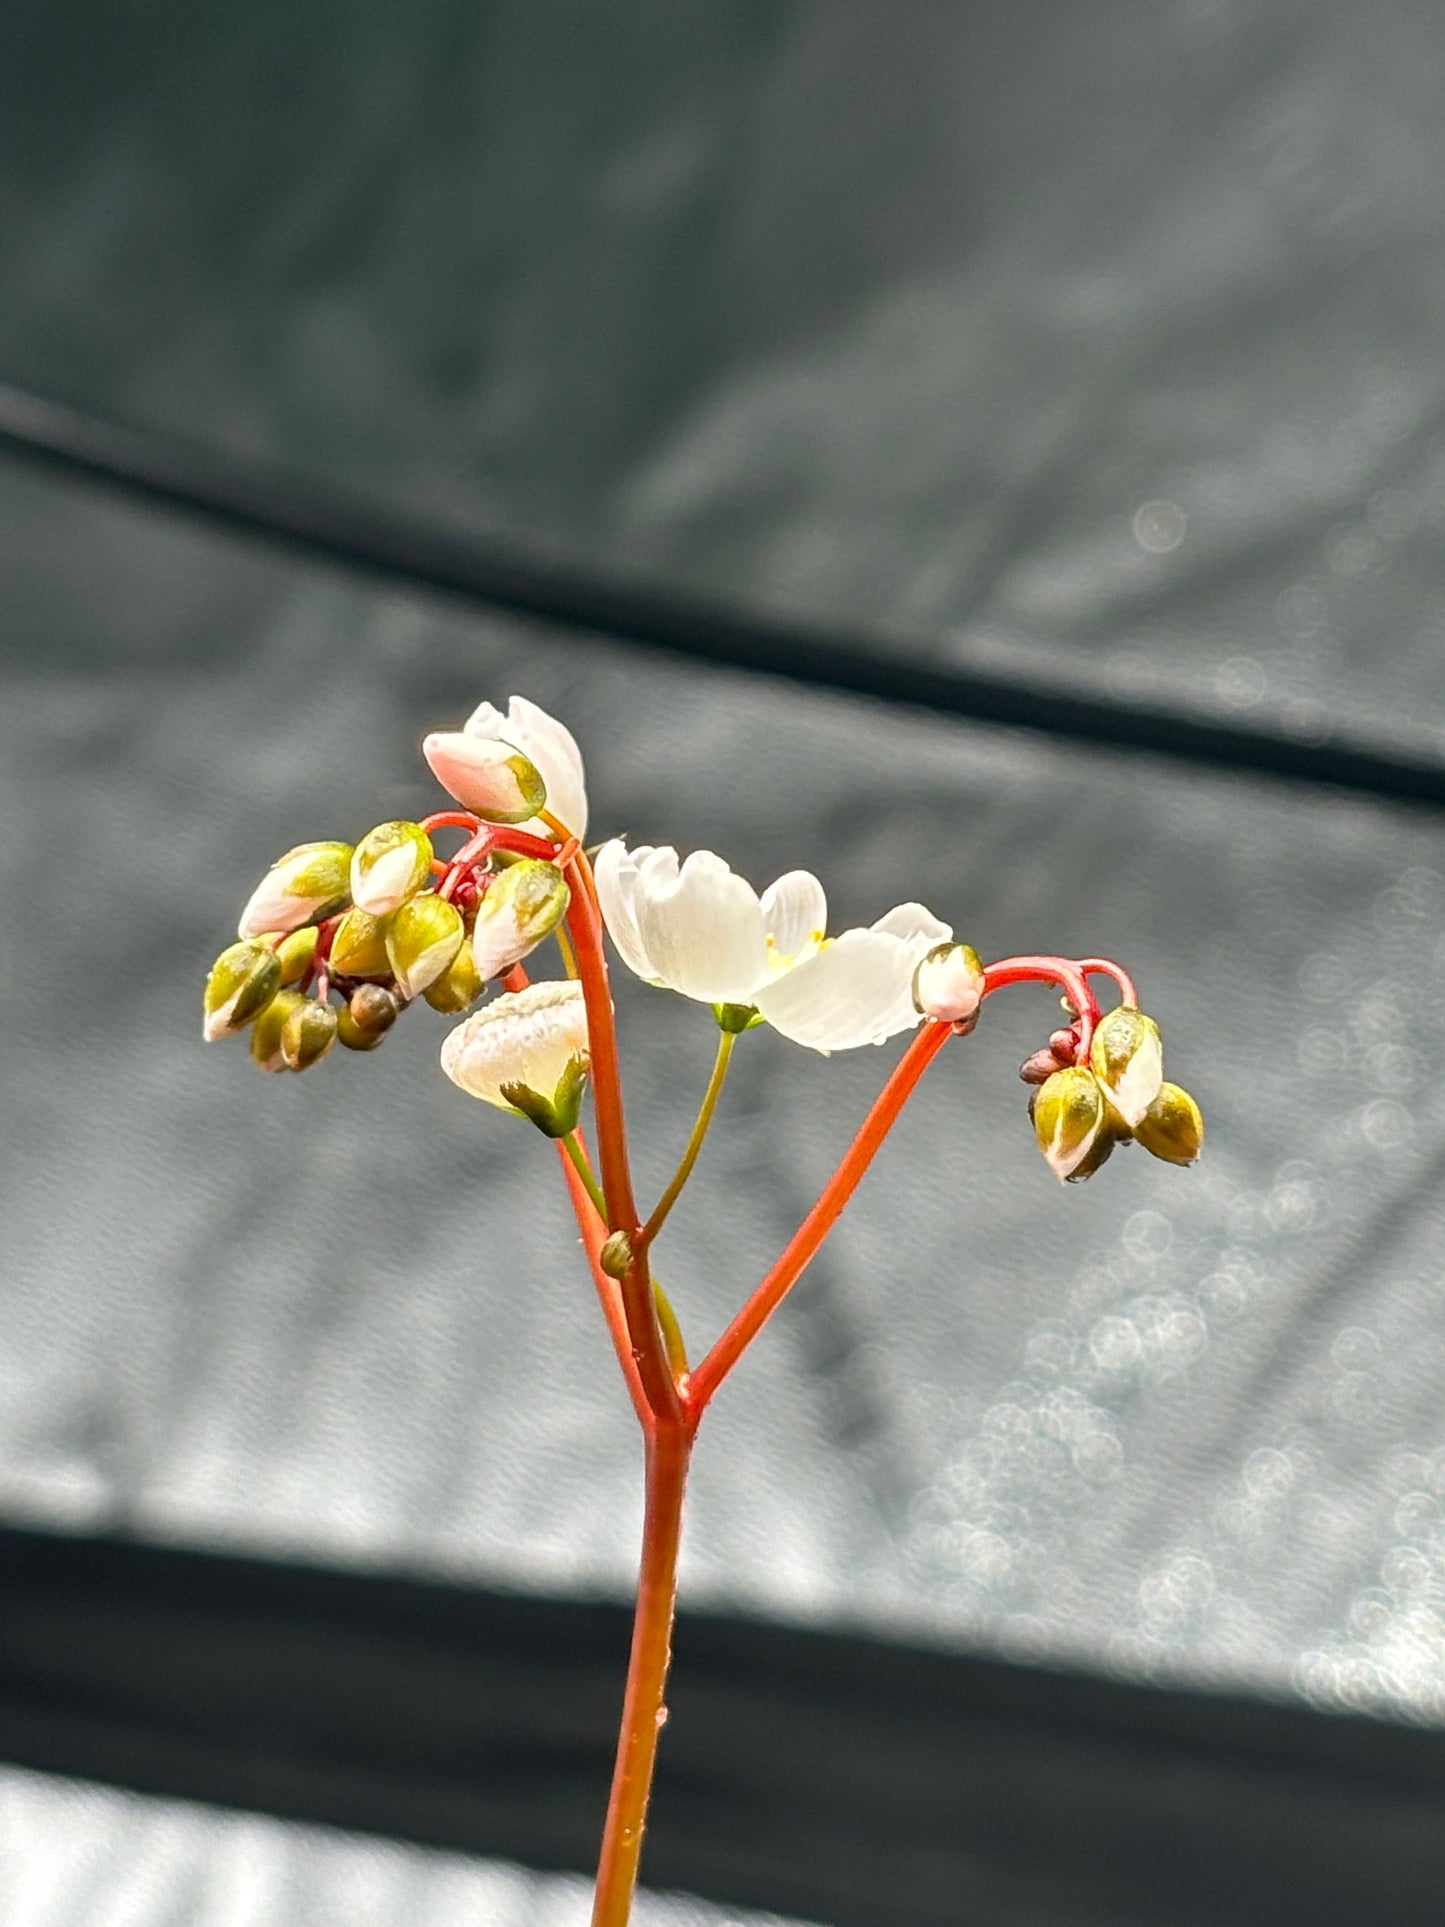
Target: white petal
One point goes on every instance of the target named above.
(795, 915)
(858, 990)
(389, 881)
(547, 744)
(616, 870)
(524, 1037)
(915, 925)
(702, 928)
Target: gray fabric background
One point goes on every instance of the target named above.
(1101, 343)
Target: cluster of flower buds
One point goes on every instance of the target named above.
(336, 941)
(1085, 1104)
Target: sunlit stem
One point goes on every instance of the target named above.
(926, 1045)
(569, 955)
(725, 1042)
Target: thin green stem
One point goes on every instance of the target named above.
(571, 1144)
(725, 1042)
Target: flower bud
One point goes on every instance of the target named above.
(358, 949)
(1040, 1067)
(1127, 1057)
(459, 985)
(948, 984)
(390, 864)
(242, 981)
(615, 1257)
(422, 938)
(372, 1007)
(294, 953)
(354, 1036)
(1070, 1119)
(523, 904)
(524, 1040)
(303, 886)
(1172, 1127)
(490, 778)
(266, 1032)
(307, 1034)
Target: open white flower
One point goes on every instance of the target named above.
(523, 1037)
(697, 928)
(547, 745)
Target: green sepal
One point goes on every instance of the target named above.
(736, 1018)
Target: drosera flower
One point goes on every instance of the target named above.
(698, 928)
(529, 1042)
(476, 765)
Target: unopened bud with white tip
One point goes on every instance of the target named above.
(242, 981)
(390, 864)
(523, 904)
(1071, 1120)
(949, 983)
(303, 886)
(422, 938)
(1127, 1057)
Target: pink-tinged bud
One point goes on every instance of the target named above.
(302, 887)
(948, 985)
(1065, 1045)
(490, 778)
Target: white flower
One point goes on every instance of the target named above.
(523, 1037)
(548, 746)
(697, 928)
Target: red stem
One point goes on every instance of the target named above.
(594, 1233)
(1105, 967)
(1049, 970)
(668, 1447)
(584, 922)
(926, 1045)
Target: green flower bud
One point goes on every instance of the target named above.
(615, 1256)
(1072, 1123)
(390, 864)
(294, 953)
(1172, 1128)
(523, 904)
(242, 981)
(1127, 1057)
(423, 937)
(459, 985)
(358, 948)
(305, 885)
(352, 1035)
(308, 1033)
(557, 1115)
(736, 1018)
(266, 1033)
(373, 1007)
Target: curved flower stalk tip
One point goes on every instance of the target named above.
(467, 765)
(698, 928)
(525, 1038)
